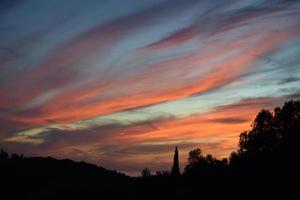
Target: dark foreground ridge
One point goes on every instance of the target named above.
(265, 165)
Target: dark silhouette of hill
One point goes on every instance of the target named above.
(265, 166)
(49, 178)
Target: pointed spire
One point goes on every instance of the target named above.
(175, 169)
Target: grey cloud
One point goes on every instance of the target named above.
(289, 80)
(230, 120)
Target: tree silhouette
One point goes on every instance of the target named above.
(195, 156)
(196, 161)
(272, 131)
(162, 173)
(288, 120)
(272, 143)
(263, 137)
(146, 172)
(3, 155)
(175, 169)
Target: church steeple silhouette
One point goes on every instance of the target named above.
(175, 169)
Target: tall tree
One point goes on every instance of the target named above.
(175, 169)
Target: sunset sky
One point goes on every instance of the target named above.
(121, 83)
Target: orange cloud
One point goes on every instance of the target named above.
(134, 91)
(222, 125)
(152, 143)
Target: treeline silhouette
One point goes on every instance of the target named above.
(265, 165)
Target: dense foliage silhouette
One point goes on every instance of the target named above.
(265, 165)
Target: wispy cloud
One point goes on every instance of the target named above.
(142, 77)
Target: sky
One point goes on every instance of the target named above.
(121, 83)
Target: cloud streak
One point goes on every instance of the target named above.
(136, 80)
